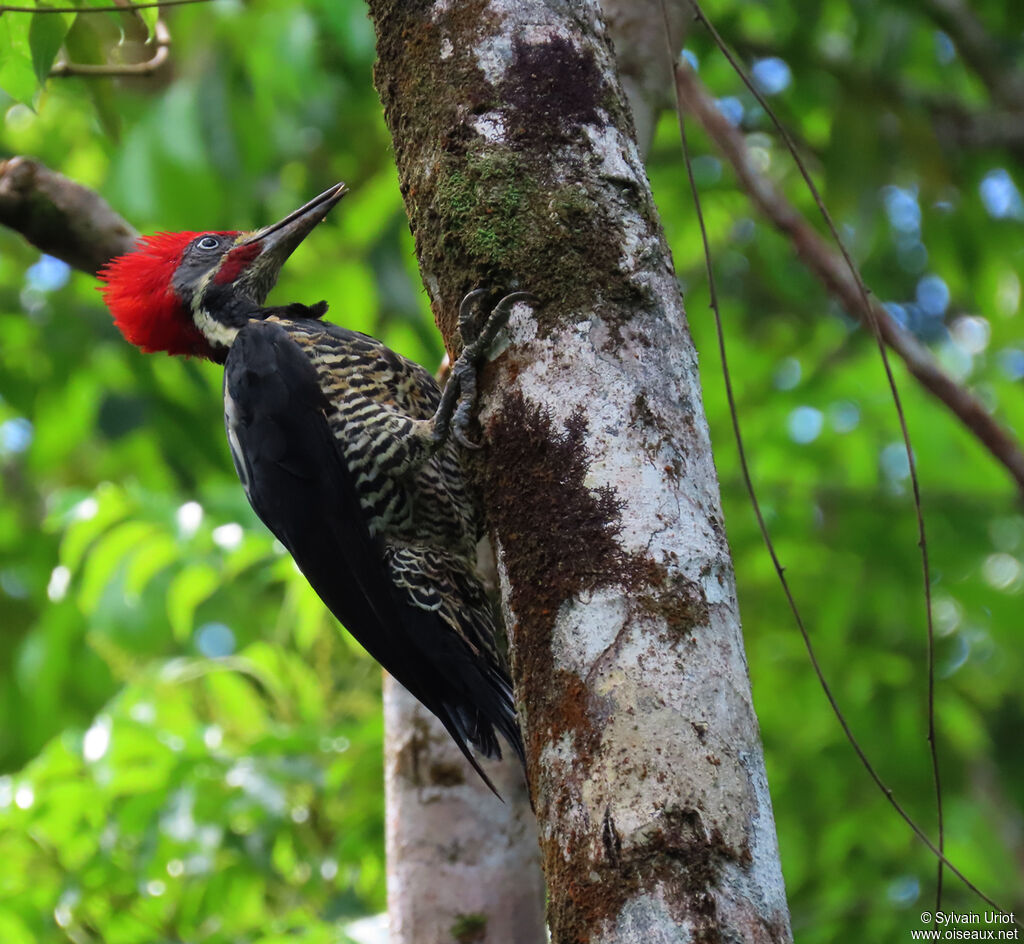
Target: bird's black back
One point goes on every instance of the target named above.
(300, 478)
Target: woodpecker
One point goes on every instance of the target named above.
(348, 452)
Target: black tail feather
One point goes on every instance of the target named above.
(481, 734)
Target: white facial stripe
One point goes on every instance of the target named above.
(220, 335)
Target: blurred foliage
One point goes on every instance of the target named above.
(190, 749)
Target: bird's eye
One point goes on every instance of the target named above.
(208, 242)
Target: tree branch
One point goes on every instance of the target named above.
(160, 55)
(457, 858)
(60, 217)
(830, 269)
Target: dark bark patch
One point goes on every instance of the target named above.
(560, 539)
(444, 774)
(410, 762)
(679, 857)
(559, 535)
(681, 603)
(611, 839)
(469, 928)
(551, 90)
(667, 595)
(416, 765)
(572, 707)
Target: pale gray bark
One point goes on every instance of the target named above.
(462, 866)
(645, 57)
(519, 167)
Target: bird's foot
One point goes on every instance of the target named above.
(459, 397)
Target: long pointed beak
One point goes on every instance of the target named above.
(297, 225)
(261, 254)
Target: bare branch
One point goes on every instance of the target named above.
(873, 321)
(780, 570)
(162, 37)
(832, 272)
(60, 217)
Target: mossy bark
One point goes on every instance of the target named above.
(519, 168)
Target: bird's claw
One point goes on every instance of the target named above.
(477, 341)
(464, 374)
(455, 415)
(463, 440)
(468, 308)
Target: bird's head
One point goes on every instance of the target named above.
(190, 293)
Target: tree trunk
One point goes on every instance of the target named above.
(519, 169)
(637, 31)
(462, 866)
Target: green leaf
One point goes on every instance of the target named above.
(17, 76)
(13, 930)
(45, 36)
(149, 17)
(88, 519)
(240, 710)
(85, 45)
(108, 555)
(190, 588)
(159, 553)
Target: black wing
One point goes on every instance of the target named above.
(297, 481)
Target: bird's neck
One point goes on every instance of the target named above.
(218, 334)
(220, 316)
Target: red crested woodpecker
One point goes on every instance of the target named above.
(348, 452)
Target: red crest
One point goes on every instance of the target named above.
(139, 292)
